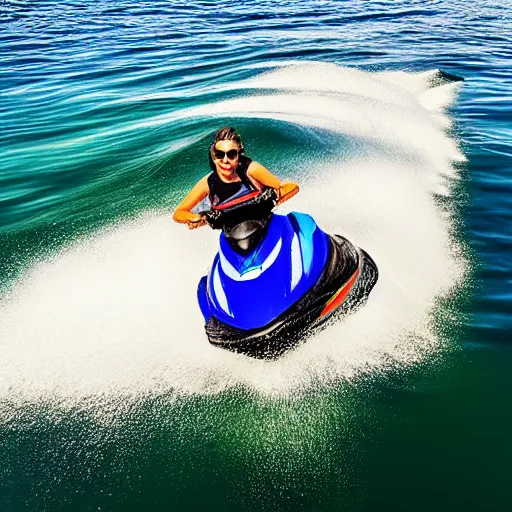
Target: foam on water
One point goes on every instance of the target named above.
(117, 314)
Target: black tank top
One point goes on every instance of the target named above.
(220, 190)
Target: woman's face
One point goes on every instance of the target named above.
(225, 156)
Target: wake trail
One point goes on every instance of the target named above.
(116, 314)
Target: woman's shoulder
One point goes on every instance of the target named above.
(203, 182)
(254, 166)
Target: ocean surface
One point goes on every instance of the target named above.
(396, 120)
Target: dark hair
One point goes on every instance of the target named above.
(226, 133)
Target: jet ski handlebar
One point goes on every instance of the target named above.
(255, 205)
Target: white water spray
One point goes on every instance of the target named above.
(117, 314)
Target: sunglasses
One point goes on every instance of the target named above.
(231, 154)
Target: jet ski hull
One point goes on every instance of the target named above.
(344, 285)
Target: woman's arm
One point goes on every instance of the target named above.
(285, 189)
(183, 214)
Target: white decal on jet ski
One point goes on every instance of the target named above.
(228, 269)
(272, 256)
(220, 294)
(233, 273)
(296, 262)
(307, 228)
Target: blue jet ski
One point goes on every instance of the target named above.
(276, 277)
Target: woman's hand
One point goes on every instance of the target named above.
(183, 214)
(286, 190)
(192, 220)
(195, 221)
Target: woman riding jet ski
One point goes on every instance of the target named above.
(274, 277)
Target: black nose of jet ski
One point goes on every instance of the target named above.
(246, 235)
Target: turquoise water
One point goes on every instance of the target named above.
(110, 396)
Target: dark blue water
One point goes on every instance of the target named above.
(110, 397)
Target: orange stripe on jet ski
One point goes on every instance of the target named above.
(339, 297)
(236, 201)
